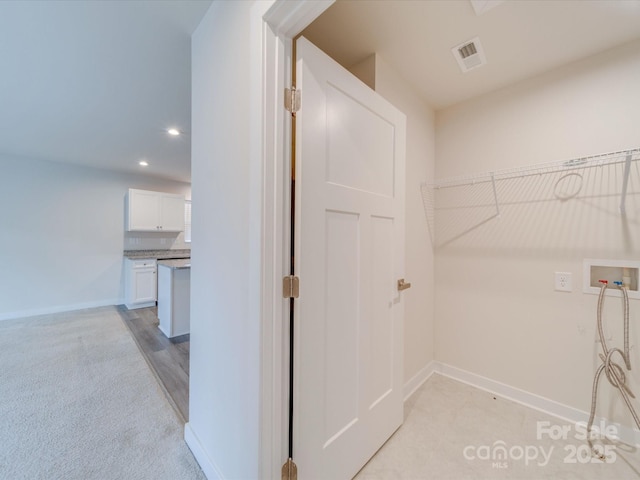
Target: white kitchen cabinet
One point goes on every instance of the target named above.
(172, 213)
(140, 282)
(149, 211)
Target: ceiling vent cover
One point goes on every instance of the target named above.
(469, 55)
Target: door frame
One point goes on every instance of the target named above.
(273, 25)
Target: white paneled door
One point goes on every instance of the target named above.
(349, 255)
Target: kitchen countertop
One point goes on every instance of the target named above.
(158, 254)
(176, 264)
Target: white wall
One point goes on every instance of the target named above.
(225, 396)
(497, 313)
(419, 306)
(63, 235)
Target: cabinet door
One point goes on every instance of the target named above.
(172, 210)
(144, 210)
(144, 285)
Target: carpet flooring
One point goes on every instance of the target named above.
(78, 401)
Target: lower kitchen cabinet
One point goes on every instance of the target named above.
(140, 282)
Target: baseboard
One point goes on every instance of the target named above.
(415, 382)
(59, 309)
(563, 412)
(209, 467)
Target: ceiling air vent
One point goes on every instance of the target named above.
(469, 55)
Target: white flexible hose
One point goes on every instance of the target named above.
(614, 371)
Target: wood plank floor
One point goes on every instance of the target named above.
(167, 357)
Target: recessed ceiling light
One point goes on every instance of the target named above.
(173, 131)
(143, 163)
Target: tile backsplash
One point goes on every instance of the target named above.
(154, 241)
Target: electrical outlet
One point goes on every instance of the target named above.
(563, 282)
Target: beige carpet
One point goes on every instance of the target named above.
(77, 401)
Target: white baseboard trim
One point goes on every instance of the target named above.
(418, 379)
(566, 413)
(209, 467)
(59, 309)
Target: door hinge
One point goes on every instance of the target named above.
(290, 286)
(292, 100)
(289, 471)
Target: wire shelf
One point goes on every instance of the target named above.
(539, 169)
(455, 205)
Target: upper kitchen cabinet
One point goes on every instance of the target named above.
(154, 211)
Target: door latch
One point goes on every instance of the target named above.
(402, 285)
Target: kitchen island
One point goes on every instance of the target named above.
(174, 287)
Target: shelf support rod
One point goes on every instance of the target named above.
(495, 193)
(625, 184)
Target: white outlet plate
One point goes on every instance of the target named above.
(564, 282)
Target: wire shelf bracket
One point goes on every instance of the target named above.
(495, 194)
(625, 184)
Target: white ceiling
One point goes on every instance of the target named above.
(521, 38)
(98, 82)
